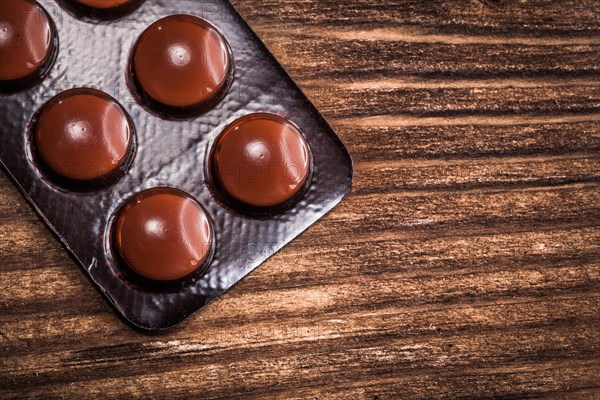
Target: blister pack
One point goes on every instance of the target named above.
(162, 143)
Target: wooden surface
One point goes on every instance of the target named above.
(465, 262)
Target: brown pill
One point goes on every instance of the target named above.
(182, 61)
(27, 39)
(83, 134)
(103, 4)
(163, 234)
(261, 160)
(105, 8)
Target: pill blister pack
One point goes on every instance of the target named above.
(164, 145)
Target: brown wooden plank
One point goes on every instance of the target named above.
(556, 18)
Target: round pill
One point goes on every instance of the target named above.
(163, 234)
(83, 134)
(182, 62)
(261, 160)
(105, 8)
(104, 4)
(27, 40)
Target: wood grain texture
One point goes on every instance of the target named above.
(464, 264)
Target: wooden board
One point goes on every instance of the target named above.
(465, 262)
